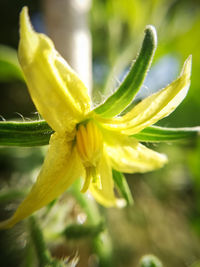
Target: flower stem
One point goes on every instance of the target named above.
(101, 242)
(42, 252)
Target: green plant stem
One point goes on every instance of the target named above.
(43, 255)
(101, 243)
(78, 231)
(42, 252)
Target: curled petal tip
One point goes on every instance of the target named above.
(28, 39)
(24, 10)
(189, 61)
(24, 20)
(187, 67)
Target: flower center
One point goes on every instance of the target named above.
(89, 145)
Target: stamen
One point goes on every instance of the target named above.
(91, 177)
(88, 180)
(89, 145)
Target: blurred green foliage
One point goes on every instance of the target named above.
(9, 66)
(165, 219)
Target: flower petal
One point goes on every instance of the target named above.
(105, 196)
(154, 107)
(61, 167)
(128, 155)
(58, 94)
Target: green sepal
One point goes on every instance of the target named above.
(37, 133)
(128, 89)
(162, 134)
(78, 231)
(25, 134)
(123, 187)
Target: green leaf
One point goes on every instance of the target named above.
(123, 187)
(128, 89)
(9, 66)
(150, 261)
(25, 134)
(162, 134)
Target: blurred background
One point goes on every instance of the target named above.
(165, 217)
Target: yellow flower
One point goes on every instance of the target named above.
(85, 144)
